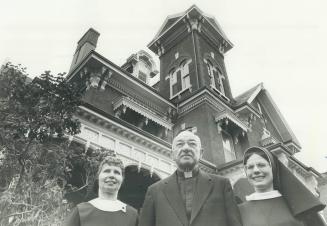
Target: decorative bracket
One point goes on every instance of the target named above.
(193, 23)
(160, 48)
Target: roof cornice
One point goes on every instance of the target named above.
(95, 55)
(186, 15)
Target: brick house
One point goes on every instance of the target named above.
(126, 111)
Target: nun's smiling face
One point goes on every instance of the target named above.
(259, 173)
(110, 178)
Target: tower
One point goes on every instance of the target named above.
(191, 48)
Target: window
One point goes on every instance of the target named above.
(185, 75)
(142, 76)
(180, 79)
(175, 84)
(216, 77)
(228, 146)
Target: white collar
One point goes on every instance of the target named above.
(263, 195)
(108, 205)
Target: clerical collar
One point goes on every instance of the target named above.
(108, 205)
(188, 174)
(263, 195)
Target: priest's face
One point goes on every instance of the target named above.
(110, 178)
(259, 173)
(186, 150)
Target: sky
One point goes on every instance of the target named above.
(280, 43)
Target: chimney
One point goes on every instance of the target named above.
(86, 44)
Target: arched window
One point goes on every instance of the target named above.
(216, 77)
(180, 78)
(186, 83)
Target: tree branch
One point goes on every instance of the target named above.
(22, 164)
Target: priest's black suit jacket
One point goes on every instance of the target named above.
(213, 203)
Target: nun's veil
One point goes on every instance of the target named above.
(297, 196)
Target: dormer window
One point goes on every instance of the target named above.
(216, 77)
(142, 76)
(141, 66)
(180, 78)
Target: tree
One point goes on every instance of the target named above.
(34, 112)
(36, 117)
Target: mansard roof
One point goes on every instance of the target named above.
(174, 19)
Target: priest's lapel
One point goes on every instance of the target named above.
(174, 197)
(203, 189)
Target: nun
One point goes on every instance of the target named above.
(279, 198)
(106, 209)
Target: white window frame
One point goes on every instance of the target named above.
(211, 69)
(185, 72)
(146, 76)
(230, 155)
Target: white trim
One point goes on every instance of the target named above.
(108, 205)
(134, 148)
(263, 195)
(129, 102)
(125, 128)
(233, 119)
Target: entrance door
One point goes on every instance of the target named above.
(135, 185)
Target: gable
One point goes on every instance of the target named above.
(277, 122)
(276, 118)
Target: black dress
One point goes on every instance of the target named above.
(267, 212)
(85, 214)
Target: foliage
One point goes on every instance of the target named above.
(37, 205)
(50, 183)
(84, 166)
(37, 159)
(33, 112)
